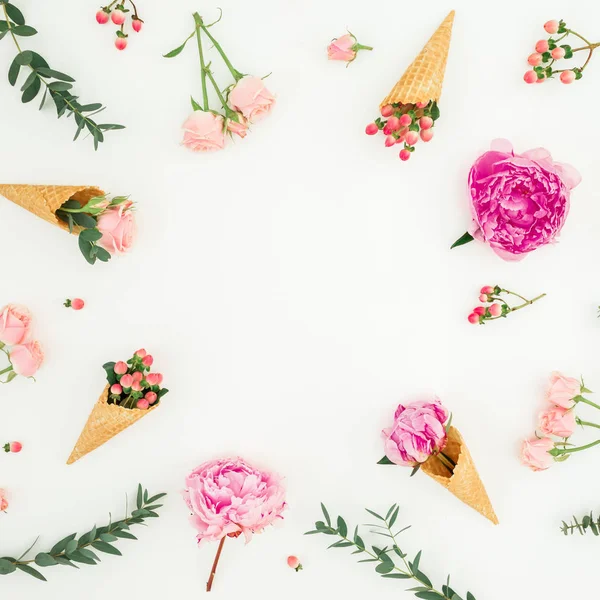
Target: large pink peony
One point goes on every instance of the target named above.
(229, 497)
(418, 432)
(15, 324)
(519, 202)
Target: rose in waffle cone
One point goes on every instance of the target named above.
(105, 421)
(464, 481)
(45, 200)
(423, 79)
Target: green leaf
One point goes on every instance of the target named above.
(24, 30)
(435, 111)
(43, 99)
(176, 51)
(88, 554)
(3, 27)
(384, 568)
(56, 75)
(13, 72)
(15, 14)
(415, 563)
(140, 500)
(342, 527)
(31, 571)
(463, 239)
(385, 461)
(129, 536)
(60, 86)
(375, 514)
(104, 547)
(60, 546)
(24, 58)
(394, 517)
(397, 576)
(102, 254)
(428, 595)
(326, 514)
(84, 220)
(90, 235)
(61, 560)
(38, 61)
(6, 567)
(455, 596)
(470, 596)
(107, 537)
(80, 558)
(31, 92)
(156, 497)
(33, 77)
(71, 547)
(195, 105)
(88, 537)
(45, 560)
(110, 126)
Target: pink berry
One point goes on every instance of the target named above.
(137, 376)
(541, 80)
(551, 26)
(558, 53)
(142, 404)
(404, 154)
(15, 446)
(567, 77)
(387, 111)
(121, 43)
(136, 24)
(422, 104)
(387, 130)
(412, 137)
(116, 389)
(483, 298)
(127, 380)
(136, 386)
(120, 368)
(542, 46)
(371, 129)
(393, 123)
(530, 77)
(151, 397)
(140, 353)
(535, 59)
(426, 122)
(405, 120)
(77, 303)
(102, 17)
(495, 310)
(426, 135)
(390, 140)
(147, 360)
(118, 17)
(294, 563)
(479, 310)
(473, 318)
(487, 289)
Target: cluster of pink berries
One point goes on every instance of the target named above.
(13, 447)
(132, 386)
(406, 123)
(497, 307)
(75, 303)
(547, 52)
(118, 15)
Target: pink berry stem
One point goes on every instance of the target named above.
(213, 571)
(519, 307)
(135, 12)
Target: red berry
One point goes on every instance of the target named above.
(121, 43)
(102, 17)
(77, 303)
(371, 129)
(530, 77)
(473, 318)
(387, 111)
(404, 154)
(118, 17)
(136, 24)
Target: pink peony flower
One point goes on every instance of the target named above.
(15, 324)
(229, 497)
(118, 228)
(418, 432)
(557, 421)
(534, 453)
(27, 358)
(251, 98)
(203, 132)
(519, 202)
(342, 48)
(3, 500)
(562, 390)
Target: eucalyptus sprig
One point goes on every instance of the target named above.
(588, 523)
(42, 75)
(386, 567)
(71, 550)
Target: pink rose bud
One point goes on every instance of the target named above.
(405, 120)
(404, 154)
(473, 318)
(479, 310)
(118, 17)
(127, 381)
(102, 17)
(393, 123)
(387, 111)
(116, 389)
(562, 390)
(567, 77)
(136, 24)
(495, 310)
(140, 353)
(151, 397)
(426, 122)
(138, 376)
(558, 53)
(390, 140)
(535, 453)
(342, 48)
(142, 404)
(121, 43)
(239, 127)
(558, 421)
(542, 46)
(412, 137)
(120, 368)
(487, 289)
(371, 129)
(551, 26)
(147, 360)
(422, 104)
(530, 77)
(13, 447)
(294, 563)
(535, 59)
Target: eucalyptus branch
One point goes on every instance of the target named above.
(386, 567)
(70, 550)
(588, 523)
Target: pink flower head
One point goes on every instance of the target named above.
(229, 497)
(562, 390)
(535, 453)
(239, 127)
(154, 378)
(120, 368)
(3, 500)
(118, 228)
(27, 358)
(15, 324)
(251, 98)
(418, 432)
(342, 48)
(558, 421)
(519, 202)
(203, 132)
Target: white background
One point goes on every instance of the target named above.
(293, 289)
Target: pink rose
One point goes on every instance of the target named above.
(27, 358)
(239, 127)
(203, 132)
(418, 432)
(15, 324)
(3, 500)
(519, 202)
(562, 390)
(118, 228)
(557, 421)
(535, 453)
(251, 98)
(229, 497)
(342, 48)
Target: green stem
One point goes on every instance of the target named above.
(236, 74)
(219, 94)
(446, 461)
(526, 303)
(358, 47)
(586, 423)
(560, 452)
(9, 368)
(586, 401)
(198, 20)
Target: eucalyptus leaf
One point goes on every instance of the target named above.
(60, 86)
(60, 546)
(46, 72)
(15, 14)
(31, 79)
(24, 30)
(6, 567)
(45, 560)
(107, 548)
(31, 92)
(13, 72)
(24, 58)
(384, 568)
(31, 571)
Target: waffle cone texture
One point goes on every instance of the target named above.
(105, 421)
(423, 79)
(45, 200)
(464, 482)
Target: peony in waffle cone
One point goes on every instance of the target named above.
(45, 200)
(464, 482)
(104, 422)
(423, 79)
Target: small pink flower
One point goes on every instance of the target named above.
(342, 48)
(118, 17)
(394, 123)
(136, 24)
(3, 500)
(142, 404)
(151, 397)
(27, 358)
(294, 563)
(118, 228)
(13, 447)
(371, 129)
(567, 77)
(251, 98)
(121, 43)
(558, 421)
(239, 127)
(542, 46)
(422, 104)
(203, 132)
(147, 360)
(127, 381)
(75, 304)
(495, 309)
(116, 389)
(102, 17)
(535, 59)
(534, 453)
(483, 298)
(562, 390)
(390, 140)
(15, 324)
(551, 26)
(120, 368)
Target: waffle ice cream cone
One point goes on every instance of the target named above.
(423, 79)
(45, 200)
(464, 482)
(105, 421)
